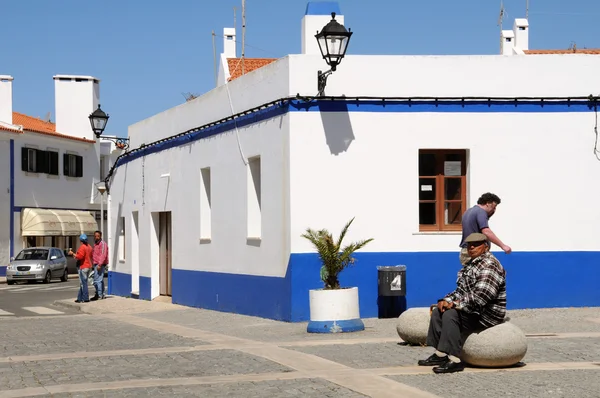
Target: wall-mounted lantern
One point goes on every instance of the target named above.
(333, 42)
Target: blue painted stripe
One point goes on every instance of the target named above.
(322, 8)
(385, 106)
(562, 279)
(120, 284)
(145, 283)
(12, 199)
(347, 326)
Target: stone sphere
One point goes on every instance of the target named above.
(413, 325)
(499, 346)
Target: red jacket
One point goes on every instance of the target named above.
(84, 255)
(100, 253)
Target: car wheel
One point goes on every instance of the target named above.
(10, 282)
(65, 276)
(48, 277)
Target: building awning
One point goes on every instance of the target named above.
(44, 222)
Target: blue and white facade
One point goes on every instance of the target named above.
(240, 193)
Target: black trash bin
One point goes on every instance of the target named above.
(391, 280)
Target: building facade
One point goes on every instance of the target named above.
(210, 211)
(50, 170)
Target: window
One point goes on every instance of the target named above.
(33, 160)
(254, 198)
(121, 230)
(72, 165)
(52, 160)
(205, 205)
(442, 189)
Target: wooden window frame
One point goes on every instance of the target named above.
(440, 201)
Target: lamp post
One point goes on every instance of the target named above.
(98, 120)
(333, 42)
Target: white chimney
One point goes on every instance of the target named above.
(229, 44)
(521, 32)
(75, 97)
(317, 15)
(507, 42)
(6, 108)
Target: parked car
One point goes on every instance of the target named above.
(37, 264)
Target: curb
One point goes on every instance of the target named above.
(72, 306)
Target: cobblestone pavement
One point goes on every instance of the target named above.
(280, 388)
(157, 350)
(555, 384)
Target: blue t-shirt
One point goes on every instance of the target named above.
(474, 220)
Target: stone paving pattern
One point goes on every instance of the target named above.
(309, 388)
(555, 384)
(77, 333)
(118, 368)
(316, 365)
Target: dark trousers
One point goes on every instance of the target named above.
(446, 330)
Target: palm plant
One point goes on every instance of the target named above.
(334, 259)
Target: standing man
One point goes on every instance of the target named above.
(478, 302)
(84, 258)
(475, 220)
(100, 260)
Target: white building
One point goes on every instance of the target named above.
(49, 170)
(211, 210)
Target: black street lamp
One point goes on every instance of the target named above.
(98, 120)
(333, 42)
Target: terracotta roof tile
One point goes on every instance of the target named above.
(595, 51)
(250, 64)
(35, 125)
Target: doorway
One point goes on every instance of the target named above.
(165, 245)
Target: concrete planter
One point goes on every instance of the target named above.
(334, 311)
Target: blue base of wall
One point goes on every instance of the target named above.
(534, 280)
(3, 271)
(120, 284)
(145, 288)
(351, 325)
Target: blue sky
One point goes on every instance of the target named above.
(147, 53)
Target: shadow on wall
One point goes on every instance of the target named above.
(337, 126)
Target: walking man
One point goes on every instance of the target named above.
(84, 258)
(479, 302)
(100, 260)
(476, 220)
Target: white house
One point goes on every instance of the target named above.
(50, 170)
(211, 208)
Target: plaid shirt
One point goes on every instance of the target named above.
(481, 289)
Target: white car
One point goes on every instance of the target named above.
(37, 264)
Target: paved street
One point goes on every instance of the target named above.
(32, 299)
(128, 348)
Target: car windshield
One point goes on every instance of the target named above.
(32, 254)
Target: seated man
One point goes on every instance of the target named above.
(478, 302)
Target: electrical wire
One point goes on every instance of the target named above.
(237, 132)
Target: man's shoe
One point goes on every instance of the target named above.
(450, 367)
(94, 298)
(77, 301)
(434, 360)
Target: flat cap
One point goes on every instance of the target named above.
(476, 237)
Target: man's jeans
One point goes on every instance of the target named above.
(99, 279)
(83, 294)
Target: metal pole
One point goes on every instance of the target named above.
(102, 214)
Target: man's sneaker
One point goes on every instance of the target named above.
(434, 360)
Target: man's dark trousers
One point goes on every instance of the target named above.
(445, 330)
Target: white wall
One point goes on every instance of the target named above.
(4, 200)
(50, 191)
(229, 249)
(537, 163)
(6, 107)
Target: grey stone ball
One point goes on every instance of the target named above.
(413, 325)
(499, 346)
